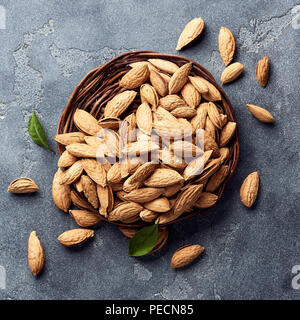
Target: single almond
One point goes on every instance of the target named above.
(114, 173)
(158, 82)
(148, 94)
(260, 113)
(168, 158)
(106, 199)
(36, 257)
(224, 154)
(226, 45)
(66, 159)
(171, 102)
(144, 118)
(179, 78)
(262, 71)
(232, 72)
(206, 200)
(227, 133)
(214, 115)
(61, 193)
(164, 65)
(198, 122)
(95, 171)
(208, 91)
(72, 174)
(82, 150)
(158, 205)
(119, 103)
(185, 255)
(68, 138)
(196, 166)
(148, 215)
(75, 237)
(85, 122)
(190, 95)
(143, 195)
(190, 32)
(249, 189)
(90, 190)
(85, 218)
(210, 144)
(80, 202)
(199, 83)
(184, 112)
(124, 211)
(162, 177)
(135, 77)
(22, 185)
(217, 179)
(210, 128)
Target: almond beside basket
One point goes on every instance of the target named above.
(116, 110)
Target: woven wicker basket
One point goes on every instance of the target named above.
(101, 84)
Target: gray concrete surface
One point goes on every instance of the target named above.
(48, 46)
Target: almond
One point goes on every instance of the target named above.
(172, 190)
(119, 103)
(186, 255)
(148, 94)
(75, 237)
(171, 102)
(198, 122)
(61, 193)
(148, 215)
(210, 144)
(72, 174)
(68, 138)
(210, 128)
(125, 211)
(224, 154)
(95, 171)
(90, 190)
(249, 189)
(22, 185)
(158, 205)
(190, 95)
(159, 84)
(262, 71)
(214, 115)
(196, 166)
(226, 45)
(143, 194)
(66, 159)
(184, 112)
(217, 179)
(85, 122)
(260, 113)
(168, 158)
(114, 173)
(164, 65)
(144, 118)
(106, 199)
(80, 201)
(232, 72)
(163, 177)
(82, 150)
(190, 33)
(135, 77)
(227, 133)
(206, 200)
(179, 78)
(36, 257)
(85, 218)
(199, 83)
(208, 90)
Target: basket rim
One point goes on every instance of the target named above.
(210, 78)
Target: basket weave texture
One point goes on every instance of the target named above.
(102, 83)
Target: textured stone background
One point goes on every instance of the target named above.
(48, 46)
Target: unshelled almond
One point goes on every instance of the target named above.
(125, 211)
(75, 237)
(232, 72)
(61, 193)
(90, 190)
(95, 171)
(119, 103)
(68, 138)
(164, 65)
(206, 200)
(66, 159)
(163, 177)
(36, 257)
(135, 77)
(148, 94)
(85, 218)
(22, 185)
(158, 83)
(86, 122)
(72, 174)
(144, 118)
(262, 71)
(161, 204)
(179, 78)
(190, 33)
(249, 189)
(171, 102)
(227, 133)
(226, 45)
(190, 95)
(260, 113)
(185, 255)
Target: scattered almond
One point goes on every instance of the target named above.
(186, 255)
(190, 33)
(249, 189)
(262, 71)
(226, 45)
(22, 185)
(75, 237)
(260, 113)
(36, 257)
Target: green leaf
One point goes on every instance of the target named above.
(143, 241)
(37, 132)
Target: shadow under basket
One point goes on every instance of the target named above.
(102, 83)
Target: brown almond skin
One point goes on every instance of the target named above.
(22, 185)
(75, 237)
(261, 114)
(249, 189)
(186, 255)
(262, 71)
(36, 257)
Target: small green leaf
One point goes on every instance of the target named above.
(37, 132)
(143, 241)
